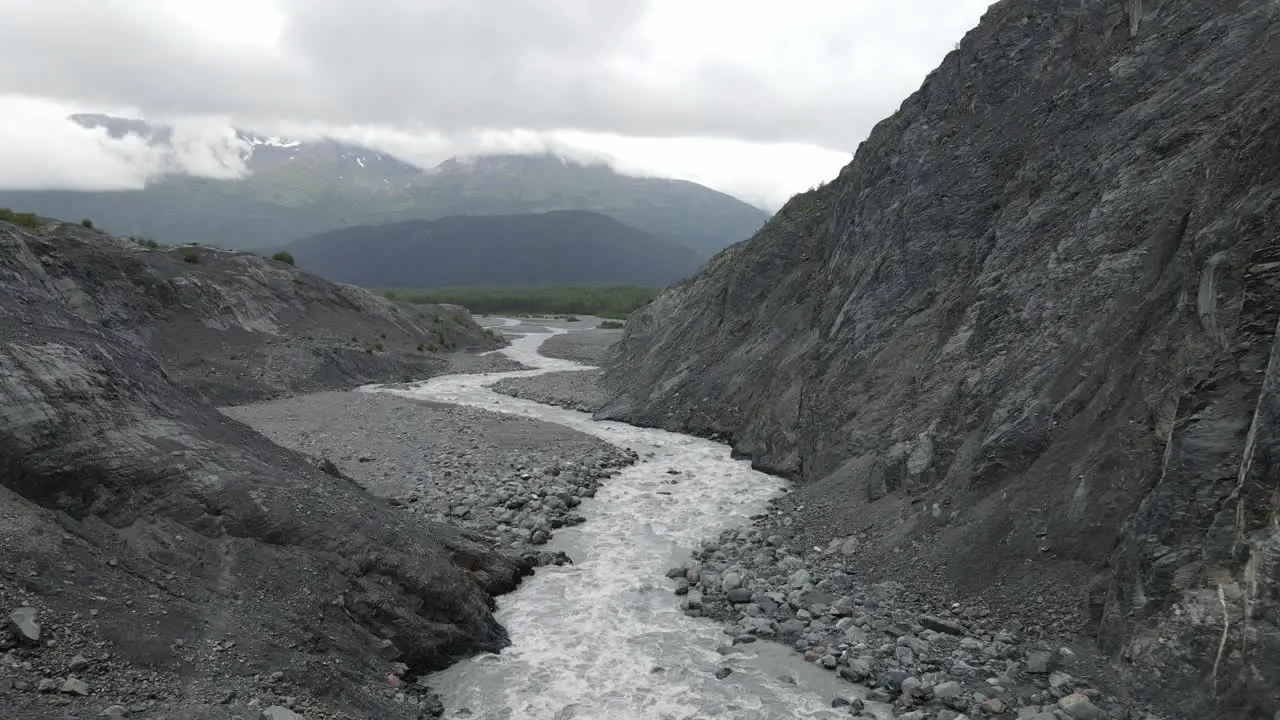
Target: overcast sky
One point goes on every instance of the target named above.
(761, 98)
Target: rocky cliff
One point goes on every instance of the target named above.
(167, 559)
(1024, 346)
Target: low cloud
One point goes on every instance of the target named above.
(43, 149)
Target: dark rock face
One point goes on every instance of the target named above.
(184, 531)
(1026, 337)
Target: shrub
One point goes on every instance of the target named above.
(603, 300)
(610, 325)
(87, 223)
(26, 219)
(283, 257)
(191, 256)
(144, 241)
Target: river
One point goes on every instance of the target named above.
(605, 637)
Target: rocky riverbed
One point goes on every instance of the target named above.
(512, 479)
(931, 661)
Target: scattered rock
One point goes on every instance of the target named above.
(941, 625)
(75, 686)
(993, 706)
(23, 623)
(1040, 662)
(1078, 706)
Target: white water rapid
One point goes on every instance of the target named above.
(605, 637)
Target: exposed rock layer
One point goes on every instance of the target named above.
(1024, 341)
(184, 531)
(236, 327)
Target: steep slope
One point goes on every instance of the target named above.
(1024, 344)
(556, 247)
(295, 189)
(236, 327)
(181, 554)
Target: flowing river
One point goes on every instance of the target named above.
(605, 637)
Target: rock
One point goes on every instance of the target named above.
(893, 680)
(1077, 706)
(912, 686)
(1059, 680)
(723, 673)
(75, 686)
(48, 685)
(792, 626)
(993, 706)
(115, 712)
(23, 623)
(799, 578)
(947, 690)
(937, 624)
(279, 712)
(1040, 662)
(78, 664)
(849, 546)
(904, 655)
(739, 596)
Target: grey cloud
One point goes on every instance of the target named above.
(458, 66)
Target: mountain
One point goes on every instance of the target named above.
(1025, 346)
(154, 534)
(295, 189)
(566, 246)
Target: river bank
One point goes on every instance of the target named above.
(601, 637)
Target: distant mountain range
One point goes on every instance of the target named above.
(563, 246)
(295, 189)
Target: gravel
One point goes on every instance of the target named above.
(588, 346)
(472, 363)
(511, 479)
(573, 389)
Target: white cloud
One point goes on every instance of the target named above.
(755, 95)
(42, 149)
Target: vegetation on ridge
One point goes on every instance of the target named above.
(609, 301)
